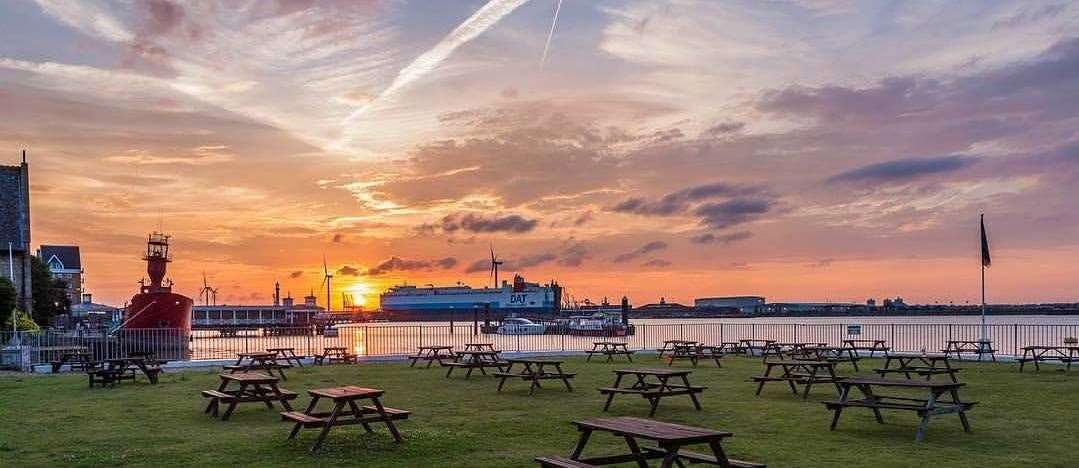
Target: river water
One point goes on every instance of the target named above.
(909, 334)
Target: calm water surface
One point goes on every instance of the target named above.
(1009, 334)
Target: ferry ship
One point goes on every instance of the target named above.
(520, 298)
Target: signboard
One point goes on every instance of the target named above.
(854, 329)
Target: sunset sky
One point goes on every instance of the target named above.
(799, 150)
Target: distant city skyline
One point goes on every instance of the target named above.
(798, 150)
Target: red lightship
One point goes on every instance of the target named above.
(156, 306)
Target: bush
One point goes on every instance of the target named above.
(23, 322)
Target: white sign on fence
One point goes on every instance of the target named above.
(854, 329)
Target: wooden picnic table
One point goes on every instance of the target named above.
(764, 346)
(796, 346)
(731, 347)
(668, 346)
(798, 372)
(534, 370)
(286, 354)
(653, 385)
(258, 361)
(926, 365)
(1038, 354)
(694, 352)
(473, 360)
(873, 346)
(253, 387)
(77, 359)
(610, 349)
(958, 347)
(120, 369)
(828, 353)
(935, 403)
(346, 411)
(334, 353)
(669, 438)
(440, 353)
(479, 347)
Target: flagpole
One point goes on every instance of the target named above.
(982, 262)
(983, 303)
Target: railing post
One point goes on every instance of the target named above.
(1015, 340)
(681, 332)
(795, 332)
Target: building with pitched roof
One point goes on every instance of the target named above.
(65, 264)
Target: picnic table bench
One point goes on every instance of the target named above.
(258, 361)
(873, 346)
(334, 353)
(694, 352)
(1039, 354)
(346, 411)
(431, 354)
(670, 439)
(287, 354)
(78, 360)
(932, 405)
(253, 387)
(979, 347)
(610, 349)
(798, 372)
(534, 371)
(669, 345)
(472, 360)
(925, 365)
(653, 385)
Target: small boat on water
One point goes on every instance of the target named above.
(598, 324)
(521, 326)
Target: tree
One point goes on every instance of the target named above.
(50, 294)
(7, 302)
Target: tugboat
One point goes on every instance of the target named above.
(156, 306)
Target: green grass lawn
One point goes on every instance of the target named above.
(1022, 419)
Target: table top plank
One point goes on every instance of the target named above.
(534, 361)
(662, 432)
(249, 377)
(656, 372)
(903, 383)
(347, 392)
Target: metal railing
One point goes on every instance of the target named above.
(25, 349)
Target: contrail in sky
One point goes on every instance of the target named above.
(488, 15)
(550, 35)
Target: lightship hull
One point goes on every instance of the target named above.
(159, 310)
